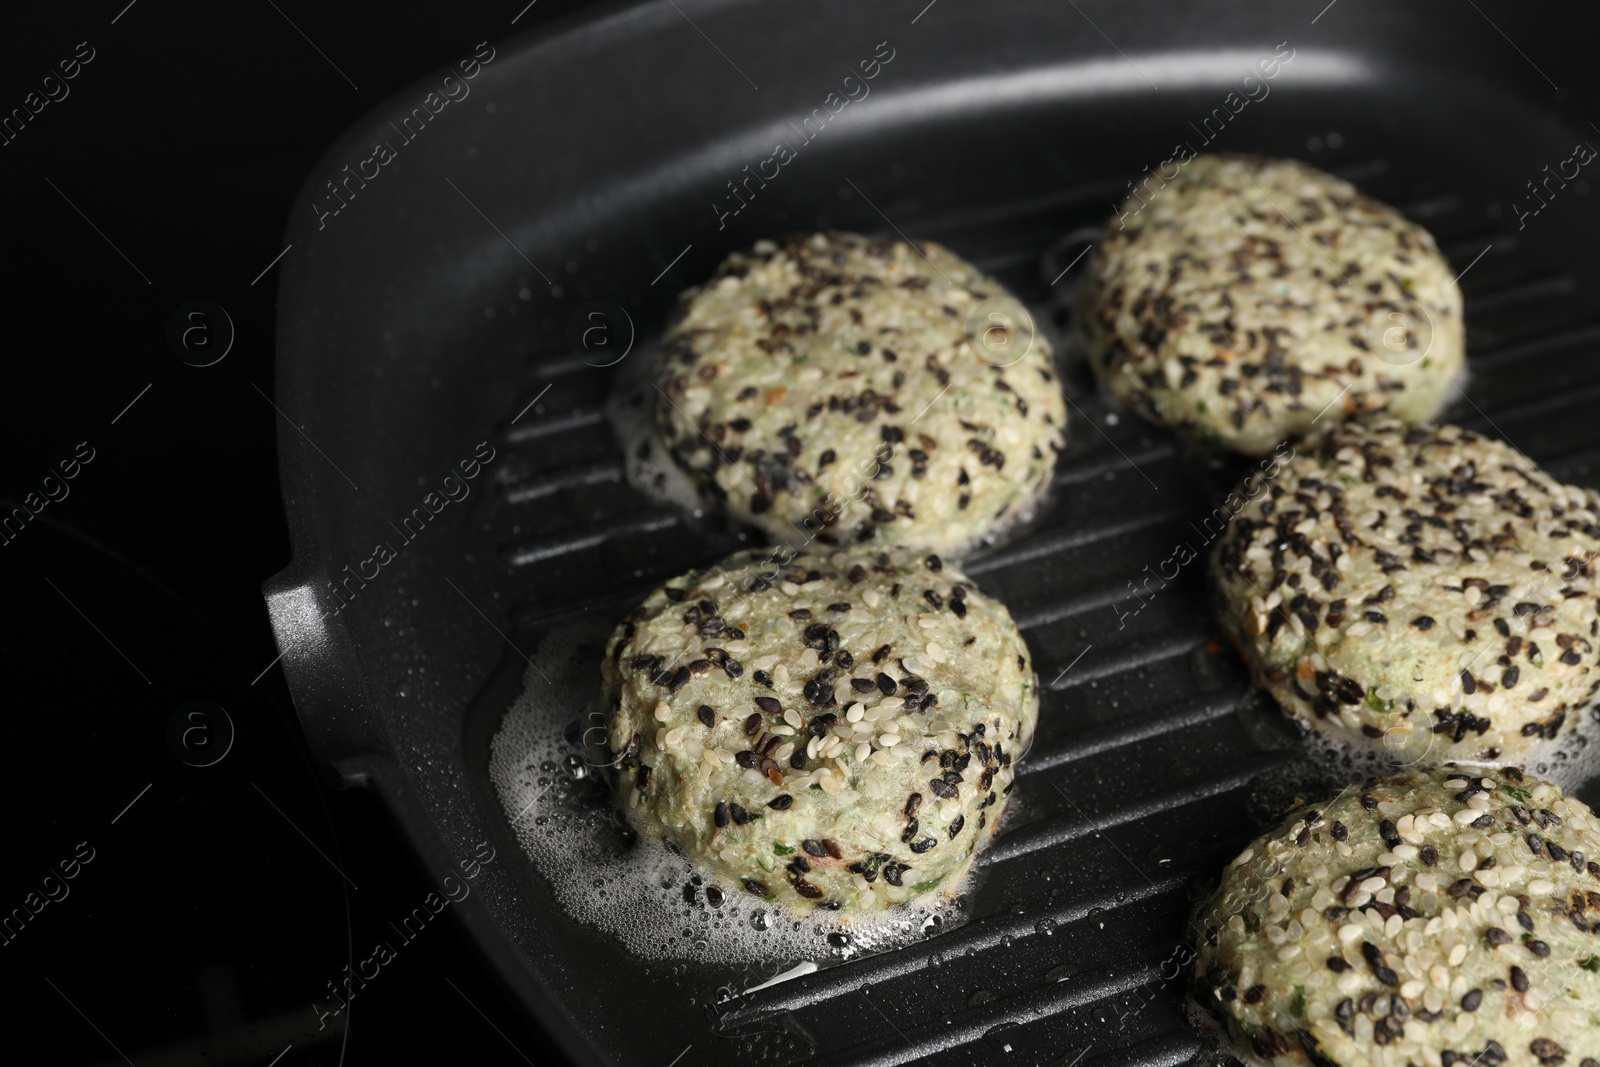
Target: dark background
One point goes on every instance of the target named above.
(207, 922)
(220, 900)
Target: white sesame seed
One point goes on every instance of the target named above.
(663, 711)
(1541, 887)
(1352, 932)
(792, 717)
(888, 740)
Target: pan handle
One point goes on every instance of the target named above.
(331, 697)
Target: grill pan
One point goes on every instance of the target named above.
(432, 312)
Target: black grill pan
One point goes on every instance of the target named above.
(432, 310)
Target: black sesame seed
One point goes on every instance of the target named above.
(813, 847)
(747, 759)
(707, 716)
(1539, 948)
(719, 814)
(758, 888)
(1338, 965)
(1423, 622)
(1497, 936)
(781, 802)
(1472, 1001)
(919, 847)
(1519, 979)
(886, 684)
(957, 825)
(1430, 855)
(752, 724)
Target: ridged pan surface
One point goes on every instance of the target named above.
(432, 311)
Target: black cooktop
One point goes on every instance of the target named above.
(180, 886)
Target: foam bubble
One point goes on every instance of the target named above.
(635, 888)
(631, 411)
